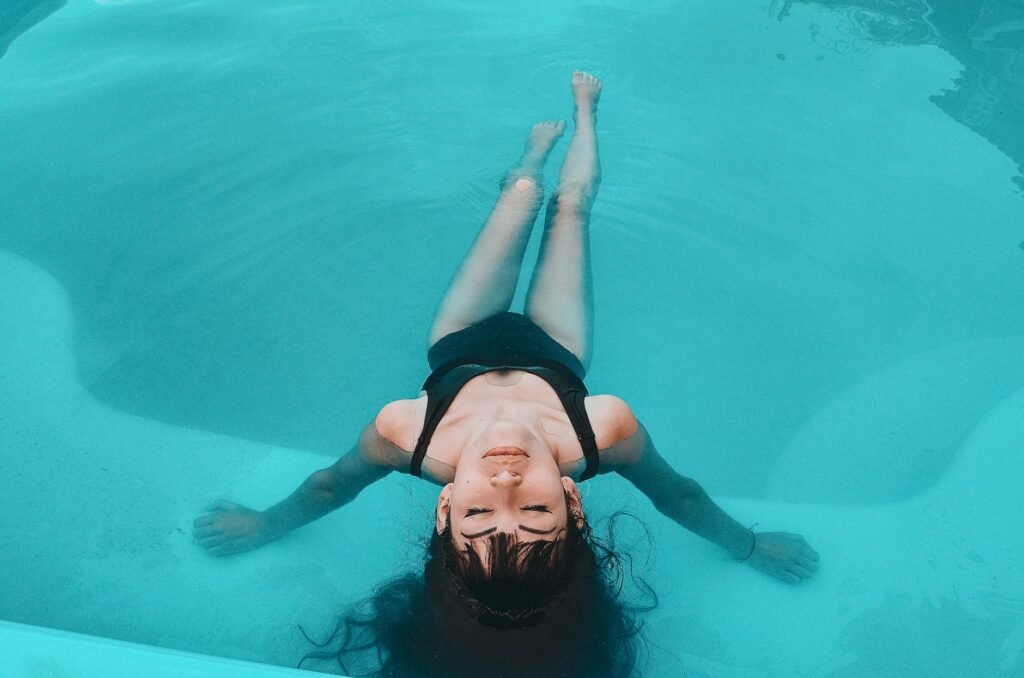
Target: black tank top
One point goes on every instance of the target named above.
(445, 383)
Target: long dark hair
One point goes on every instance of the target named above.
(537, 609)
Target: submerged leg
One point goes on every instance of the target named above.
(560, 299)
(486, 281)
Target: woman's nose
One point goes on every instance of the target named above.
(506, 478)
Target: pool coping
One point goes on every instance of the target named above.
(28, 651)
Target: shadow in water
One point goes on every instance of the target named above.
(986, 36)
(916, 634)
(17, 16)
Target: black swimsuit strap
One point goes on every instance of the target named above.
(437, 405)
(574, 402)
(441, 391)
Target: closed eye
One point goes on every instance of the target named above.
(472, 511)
(537, 507)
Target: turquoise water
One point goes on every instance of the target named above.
(225, 227)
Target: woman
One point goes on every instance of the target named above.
(505, 423)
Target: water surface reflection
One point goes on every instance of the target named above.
(986, 36)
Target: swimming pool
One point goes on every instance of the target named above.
(224, 227)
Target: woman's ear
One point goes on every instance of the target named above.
(575, 501)
(444, 504)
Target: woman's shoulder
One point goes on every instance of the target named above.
(611, 418)
(400, 422)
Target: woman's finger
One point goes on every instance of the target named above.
(203, 532)
(221, 505)
(213, 542)
(807, 563)
(799, 571)
(203, 521)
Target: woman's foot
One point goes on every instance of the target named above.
(585, 91)
(580, 170)
(542, 138)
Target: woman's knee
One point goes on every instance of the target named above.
(571, 204)
(521, 183)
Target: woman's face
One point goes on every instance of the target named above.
(506, 480)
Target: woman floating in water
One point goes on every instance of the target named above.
(506, 426)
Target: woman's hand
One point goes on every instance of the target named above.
(783, 555)
(230, 528)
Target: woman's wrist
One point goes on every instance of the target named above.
(753, 545)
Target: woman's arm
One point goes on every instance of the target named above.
(680, 498)
(783, 555)
(231, 528)
(333, 487)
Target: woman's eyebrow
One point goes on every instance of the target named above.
(524, 528)
(479, 534)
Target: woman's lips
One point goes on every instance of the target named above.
(506, 451)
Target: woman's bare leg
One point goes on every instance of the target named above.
(486, 281)
(560, 299)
